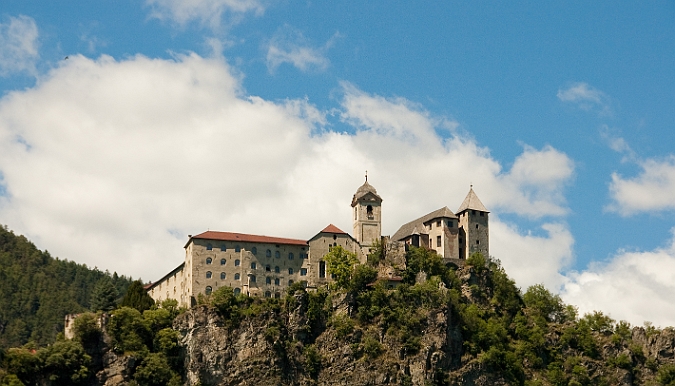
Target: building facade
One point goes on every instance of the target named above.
(265, 266)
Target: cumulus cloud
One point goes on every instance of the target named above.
(533, 259)
(585, 97)
(653, 189)
(290, 46)
(114, 163)
(633, 286)
(212, 13)
(18, 45)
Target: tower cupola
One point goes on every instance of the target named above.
(367, 214)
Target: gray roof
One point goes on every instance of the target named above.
(472, 202)
(363, 190)
(417, 226)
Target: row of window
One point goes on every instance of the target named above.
(209, 289)
(209, 260)
(303, 272)
(254, 251)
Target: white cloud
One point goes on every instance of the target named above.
(652, 190)
(18, 45)
(585, 97)
(290, 46)
(530, 259)
(632, 286)
(113, 163)
(212, 13)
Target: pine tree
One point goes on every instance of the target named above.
(136, 297)
(104, 295)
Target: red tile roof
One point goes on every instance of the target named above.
(333, 229)
(229, 236)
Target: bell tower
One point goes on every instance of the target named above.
(367, 215)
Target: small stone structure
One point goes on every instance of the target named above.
(266, 266)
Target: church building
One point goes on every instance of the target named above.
(265, 266)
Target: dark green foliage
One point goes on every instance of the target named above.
(666, 375)
(155, 371)
(65, 363)
(37, 291)
(104, 295)
(136, 297)
(129, 331)
(340, 264)
(545, 307)
(87, 331)
(312, 365)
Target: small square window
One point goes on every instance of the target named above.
(254, 265)
(303, 271)
(237, 263)
(438, 224)
(276, 281)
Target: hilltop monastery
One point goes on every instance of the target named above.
(265, 266)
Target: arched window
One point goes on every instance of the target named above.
(277, 254)
(208, 290)
(268, 253)
(254, 265)
(369, 211)
(209, 247)
(276, 281)
(290, 271)
(237, 248)
(222, 276)
(208, 274)
(237, 263)
(209, 260)
(254, 250)
(277, 295)
(268, 280)
(253, 278)
(290, 256)
(236, 276)
(267, 268)
(223, 247)
(222, 261)
(268, 294)
(237, 291)
(276, 269)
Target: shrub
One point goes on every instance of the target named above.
(666, 375)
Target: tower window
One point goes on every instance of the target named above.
(450, 223)
(477, 241)
(209, 247)
(438, 241)
(482, 214)
(438, 224)
(476, 226)
(473, 212)
(334, 237)
(322, 269)
(369, 211)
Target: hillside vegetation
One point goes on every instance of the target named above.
(38, 290)
(443, 325)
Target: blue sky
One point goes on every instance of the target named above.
(172, 117)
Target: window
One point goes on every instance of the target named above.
(477, 242)
(208, 290)
(322, 269)
(290, 255)
(277, 295)
(209, 260)
(268, 294)
(276, 269)
(222, 276)
(253, 279)
(237, 263)
(267, 268)
(254, 250)
(450, 223)
(438, 224)
(476, 226)
(223, 261)
(482, 214)
(473, 212)
(290, 271)
(334, 237)
(236, 276)
(290, 282)
(303, 271)
(438, 241)
(209, 274)
(209, 247)
(268, 280)
(268, 253)
(369, 211)
(237, 248)
(254, 265)
(277, 254)
(237, 291)
(223, 247)
(276, 281)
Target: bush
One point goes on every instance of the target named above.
(312, 365)
(666, 375)
(154, 371)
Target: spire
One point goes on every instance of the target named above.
(472, 202)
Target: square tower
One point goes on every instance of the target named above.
(473, 227)
(367, 215)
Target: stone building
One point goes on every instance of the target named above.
(265, 266)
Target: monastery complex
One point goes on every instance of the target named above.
(266, 266)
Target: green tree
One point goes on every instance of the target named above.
(65, 363)
(340, 263)
(104, 295)
(136, 297)
(155, 371)
(87, 331)
(129, 332)
(546, 306)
